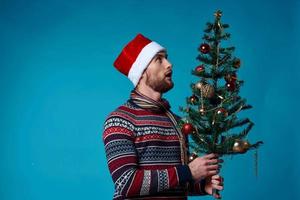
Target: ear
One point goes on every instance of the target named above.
(144, 74)
(142, 79)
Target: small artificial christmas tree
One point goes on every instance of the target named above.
(211, 111)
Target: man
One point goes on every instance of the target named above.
(146, 152)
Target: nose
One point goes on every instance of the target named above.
(168, 64)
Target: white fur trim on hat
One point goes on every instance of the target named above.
(143, 60)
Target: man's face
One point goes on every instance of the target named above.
(158, 74)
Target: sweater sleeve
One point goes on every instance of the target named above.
(197, 188)
(122, 161)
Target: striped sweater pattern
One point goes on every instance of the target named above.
(143, 154)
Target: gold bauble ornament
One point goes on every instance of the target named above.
(238, 146)
(199, 85)
(207, 90)
(192, 157)
(246, 145)
(193, 99)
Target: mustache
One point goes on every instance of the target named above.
(169, 73)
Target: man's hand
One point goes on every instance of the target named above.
(205, 166)
(214, 182)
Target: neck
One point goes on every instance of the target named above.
(149, 92)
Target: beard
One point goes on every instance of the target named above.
(161, 85)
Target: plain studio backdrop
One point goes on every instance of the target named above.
(58, 85)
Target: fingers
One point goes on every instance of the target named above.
(212, 172)
(210, 156)
(213, 167)
(205, 166)
(216, 177)
(212, 161)
(215, 192)
(217, 182)
(218, 187)
(217, 196)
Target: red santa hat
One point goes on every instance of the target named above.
(136, 56)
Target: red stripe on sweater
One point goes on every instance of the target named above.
(116, 163)
(141, 112)
(136, 184)
(165, 138)
(173, 177)
(141, 122)
(157, 167)
(116, 129)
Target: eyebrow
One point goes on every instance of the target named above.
(161, 54)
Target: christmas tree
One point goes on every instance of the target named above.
(211, 113)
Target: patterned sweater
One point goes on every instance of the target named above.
(143, 154)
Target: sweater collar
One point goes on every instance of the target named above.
(145, 102)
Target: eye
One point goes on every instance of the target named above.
(159, 58)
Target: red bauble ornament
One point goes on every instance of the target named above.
(200, 69)
(222, 113)
(231, 86)
(204, 48)
(187, 128)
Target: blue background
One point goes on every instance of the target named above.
(58, 85)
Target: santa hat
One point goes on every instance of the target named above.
(136, 56)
